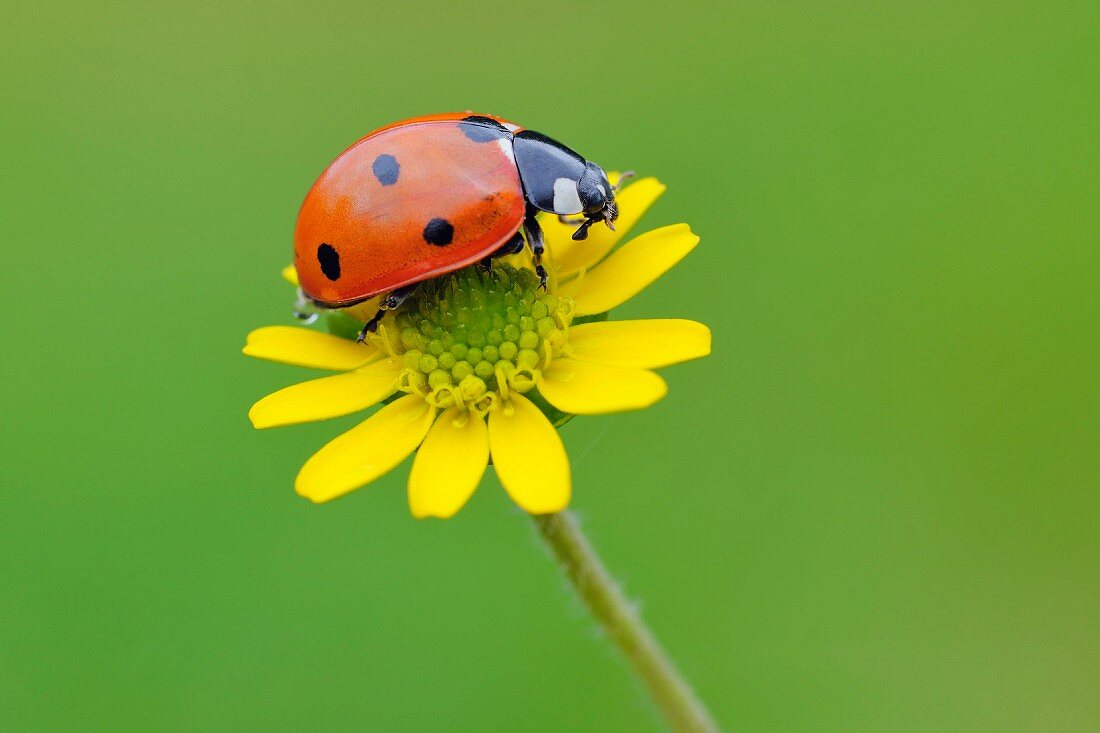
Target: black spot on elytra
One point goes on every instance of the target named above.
(386, 169)
(439, 232)
(482, 129)
(329, 259)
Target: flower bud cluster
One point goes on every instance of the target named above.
(469, 337)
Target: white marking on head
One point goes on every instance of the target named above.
(511, 127)
(566, 198)
(505, 144)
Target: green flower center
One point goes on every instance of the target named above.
(473, 334)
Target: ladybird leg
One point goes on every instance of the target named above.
(582, 230)
(307, 319)
(389, 303)
(370, 327)
(304, 309)
(513, 246)
(538, 245)
(570, 220)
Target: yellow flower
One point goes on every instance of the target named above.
(483, 365)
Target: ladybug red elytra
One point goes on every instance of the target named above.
(430, 195)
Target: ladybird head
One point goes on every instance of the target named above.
(597, 196)
(558, 180)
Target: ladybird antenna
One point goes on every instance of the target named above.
(623, 178)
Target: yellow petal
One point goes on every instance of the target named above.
(449, 465)
(307, 348)
(584, 388)
(570, 256)
(529, 457)
(320, 399)
(290, 275)
(632, 267)
(366, 452)
(640, 344)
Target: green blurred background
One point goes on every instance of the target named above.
(874, 508)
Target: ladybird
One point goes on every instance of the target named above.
(429, 195)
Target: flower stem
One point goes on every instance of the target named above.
(621, 622)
